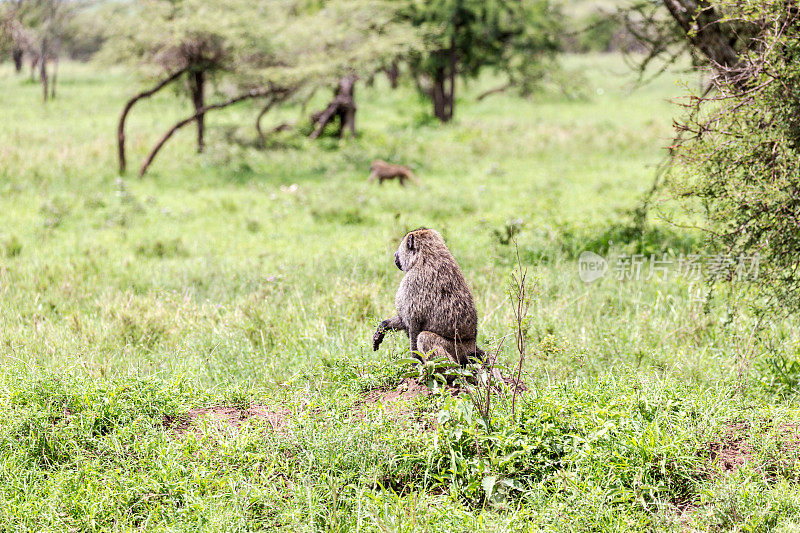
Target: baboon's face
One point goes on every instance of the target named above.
(403, 255)
(406, 254)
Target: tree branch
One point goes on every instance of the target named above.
(495, 90)
(703, 27)
(261, 114)
(254, 93)
(121, 126)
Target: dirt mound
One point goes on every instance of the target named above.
(396, 405)
(226, 416)
(733, 449)
(790, 436)
(408, 389)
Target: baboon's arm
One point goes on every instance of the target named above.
(372, 176)
(390, 324)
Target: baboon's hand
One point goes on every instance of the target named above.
(378, 337)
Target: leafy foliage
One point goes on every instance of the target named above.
(286, 43)
(268, 49)
(462, 37)
(559, 439)
(741, 146)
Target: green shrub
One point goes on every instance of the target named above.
(742, 154)
(629, 440)
(162, 248)
(12, 246)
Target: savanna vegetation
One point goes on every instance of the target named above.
(191, 350)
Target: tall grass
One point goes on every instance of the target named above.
(247, 276)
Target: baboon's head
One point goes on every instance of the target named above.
(417, 244)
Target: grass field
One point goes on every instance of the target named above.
(191, 351)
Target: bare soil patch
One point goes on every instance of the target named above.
(790, 437)
(396, 403)
(733, 449)
(226, 416)
(408, 389)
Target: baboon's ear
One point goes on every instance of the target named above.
(410, 241)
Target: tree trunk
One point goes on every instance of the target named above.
(347, 121)
(262, 136)
(393, 73)
(197, 87)
(54, 51)
(276, 98)
(121, 125)
(43, 69)
(54, 78)
(264, 110)
(443, 94)
(347, 113)
(343, 106)
(16, 55)
(704, 29)
(451, 96)
(438, 94)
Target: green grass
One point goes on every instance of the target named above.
(214, 281)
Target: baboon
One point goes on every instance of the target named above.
(434, 304)
(386, 171)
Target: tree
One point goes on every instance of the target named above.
(342, 106)
(14, 38)
(462, 37)
(36, 28)
(271, 50)
(705, 29)
(338, 42)
(182, 40)
(739, 147)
